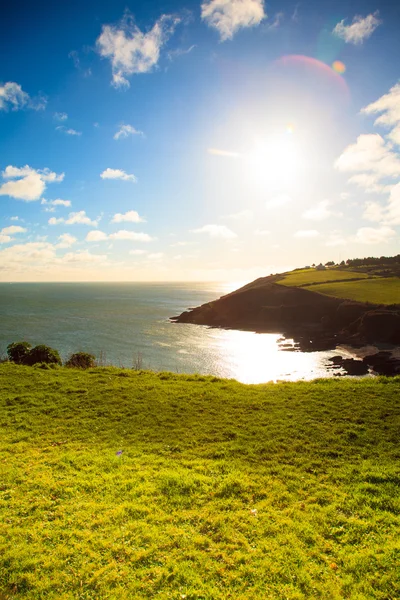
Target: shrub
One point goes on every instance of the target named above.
(42, 354)
(81, 360)
(18, 351)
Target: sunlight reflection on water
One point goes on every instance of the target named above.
(120, 321)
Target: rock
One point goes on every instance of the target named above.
(383, 363)
(380, 325)
(350, 365)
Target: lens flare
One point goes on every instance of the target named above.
(339, 67)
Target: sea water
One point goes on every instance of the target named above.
(127, 324)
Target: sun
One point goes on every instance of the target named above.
(274, 161)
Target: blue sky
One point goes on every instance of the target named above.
(170, 141)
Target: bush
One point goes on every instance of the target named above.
(81, 360)
(18, 351)
(42, 354)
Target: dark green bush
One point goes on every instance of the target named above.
(18, 351)
(42, 354)
(81, 360)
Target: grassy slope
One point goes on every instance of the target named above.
(334, 282)
(285, 491)
(311, 276)
(378, 291)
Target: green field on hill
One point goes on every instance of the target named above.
(307, 277)
(119, 484)
(381, 290)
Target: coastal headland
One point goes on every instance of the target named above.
(319, 308)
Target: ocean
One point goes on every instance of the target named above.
(126, 324)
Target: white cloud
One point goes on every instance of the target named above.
(228, 16)
(130, 50)
(388, 214)
(137, 252)
(243, 215)
(307, 233)
(74, 218)
(60, 116)
(4, 239)
(12, 96)
(360, 29)
(369, 235)
(262, 232)
(373, 212)
(41, 256)
(123, 234)
(216, 231)
(96, 236)
(126, 130)
(131, 216)
(68, 131)
(80, 218)
(27, 183)
(66, 240)
(57, 202)
(117, 174)
(14, 218)
(320, 212)
(373, 159)
(278, 201)
(156, 256)
(84, 256)
(13, 229)
(389, 107)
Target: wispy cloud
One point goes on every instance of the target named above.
(13, 97)
(216, 231)
(228, 16)
(26, 183)
(125, 131)
(130, 50)
(57, 202)
(173, 54)
(74, 218)
(122, 234)
(68, 130)
(117, 174)
(360, 29)
(320, 211)
(60, 116)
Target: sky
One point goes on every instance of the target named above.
(186, 141)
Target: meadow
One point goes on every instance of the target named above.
(307, 277)
(377, 291)
(124, 484)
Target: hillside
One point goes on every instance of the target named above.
(119, 484)
(326, 307)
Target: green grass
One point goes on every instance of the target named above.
(311, 276)
(279, 491)
(378, 291)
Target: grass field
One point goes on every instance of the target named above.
(126, 485)
(308, 277)
(378, 291)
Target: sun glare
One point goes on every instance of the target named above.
(274, 161)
